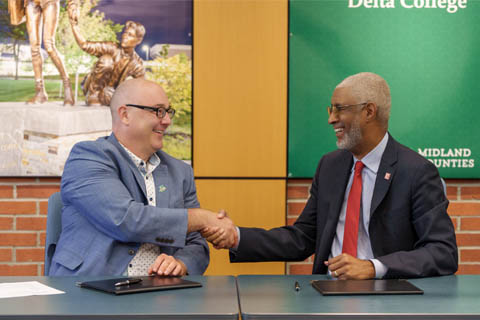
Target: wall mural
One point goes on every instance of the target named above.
(61, 61)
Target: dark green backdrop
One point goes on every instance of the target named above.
(430, 58)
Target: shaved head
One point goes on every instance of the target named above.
(136, 91)
(138, 127)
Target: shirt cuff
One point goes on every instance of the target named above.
(380, 268)
(234, 249)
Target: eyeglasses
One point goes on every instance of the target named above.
(160, 111)
(335, 109)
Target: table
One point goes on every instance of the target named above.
(274, 297)
(217, 299)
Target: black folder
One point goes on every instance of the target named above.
(365, 287)
(148, 283)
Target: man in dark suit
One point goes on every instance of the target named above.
(376, 208)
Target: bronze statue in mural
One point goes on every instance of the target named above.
(42, 18)
(116, 62)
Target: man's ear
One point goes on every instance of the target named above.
(372, 110)
(123, 115)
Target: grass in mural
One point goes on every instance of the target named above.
(24, 89)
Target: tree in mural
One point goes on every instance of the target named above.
(17, 34)
(174, 74)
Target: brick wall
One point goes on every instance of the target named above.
(23, 219)
(464, 209)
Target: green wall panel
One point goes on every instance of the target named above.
(429, 57)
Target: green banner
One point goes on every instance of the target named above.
(427, 50)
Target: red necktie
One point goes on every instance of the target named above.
(350, 234)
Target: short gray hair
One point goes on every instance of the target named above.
(370, 87)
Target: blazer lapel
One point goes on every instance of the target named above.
(162, 185)
(337, 181)
(136, 173)
(385, 174)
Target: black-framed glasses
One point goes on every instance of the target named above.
(335, 109)
(159, 111)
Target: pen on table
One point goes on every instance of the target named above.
(127, 282)
(297, 286)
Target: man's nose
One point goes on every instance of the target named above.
(166, 120)
(332, 118)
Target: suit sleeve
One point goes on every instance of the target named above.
(195, 254)
(289, 243)
(435, 249)
(91, 183)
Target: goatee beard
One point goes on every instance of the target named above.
(352, 137)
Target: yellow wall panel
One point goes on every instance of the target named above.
(240, 88)
(249, 203)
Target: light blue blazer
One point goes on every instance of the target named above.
(106, 217)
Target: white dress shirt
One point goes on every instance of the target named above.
(369, 175)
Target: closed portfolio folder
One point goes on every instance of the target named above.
(148, 283)
(365, 287)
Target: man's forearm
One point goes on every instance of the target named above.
(198, 219)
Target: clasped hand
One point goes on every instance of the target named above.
(221, 232)
(345, 266)
(166, 265)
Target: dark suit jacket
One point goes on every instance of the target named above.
(410, 230)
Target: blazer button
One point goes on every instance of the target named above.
(131, 252)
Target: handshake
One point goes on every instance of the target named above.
(218, 229)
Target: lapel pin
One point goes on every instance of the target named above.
(162, 188)
(387, 176)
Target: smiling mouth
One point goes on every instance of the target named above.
(159, 131)
(338, 132)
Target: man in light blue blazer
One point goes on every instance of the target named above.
(130, 208)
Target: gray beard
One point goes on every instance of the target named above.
(351, 138)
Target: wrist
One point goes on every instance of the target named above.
(237, 237)
(184, 267)
(196, 219)
(371, 269)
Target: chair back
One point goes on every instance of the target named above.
(444, 185)
(54, 227)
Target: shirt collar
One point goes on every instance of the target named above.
(373, 158)
(144, 168)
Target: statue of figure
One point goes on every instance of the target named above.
(116, 62)
(42, 18)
